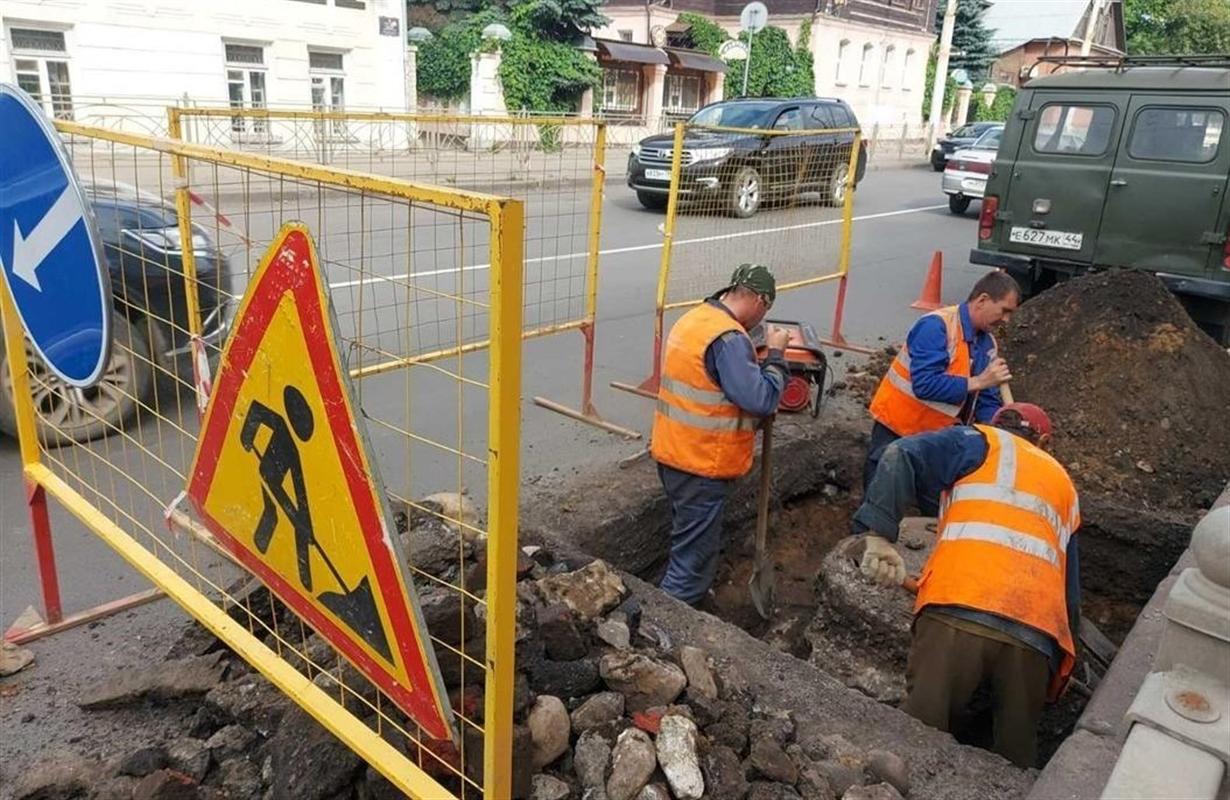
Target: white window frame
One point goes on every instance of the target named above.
(866, 65)
(843, 68)
(626, 34)
(906, 66)
(244, 75)
(57, 106)
(886, 65)
(332, 83)
(614, 73)
(675, 83)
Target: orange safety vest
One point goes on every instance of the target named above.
(896, 407)
(1003, 542)
(696, 428)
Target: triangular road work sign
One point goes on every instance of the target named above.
(283, 479)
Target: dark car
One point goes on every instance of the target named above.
(961, 138)
(141, 240)
(724, 160)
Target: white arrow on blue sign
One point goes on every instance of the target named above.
(50, 251)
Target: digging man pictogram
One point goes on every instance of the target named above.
(278, 460)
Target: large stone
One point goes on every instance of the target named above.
(762, 790)
(233, 740)
(169, 680)
(189, 756)
(309, 763)
(447, 617)
(435, 548)
(644, 681)
(563, 678)
(58, 779)
(813, 785)
(550, 729)
(597, 711)
(166, 784)
(723, 774)
(776, 725)
(615, 633)
(632, 763)
(240, 780)
(729, 734)
(889, 768)
(523, 762)
(560, 634)
(591, 758)
(696, 666)
(250, 701)
(547, 787)
(140, 763)
(841, 774)
(678, 757)
(120, 787)
(771, 761)
(877, 791)
(590, 591)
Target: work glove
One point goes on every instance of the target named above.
(882, 563)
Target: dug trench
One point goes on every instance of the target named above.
(825, 612)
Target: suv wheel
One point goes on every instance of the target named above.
(66, 414)
(745, 193)
(652, 200)
(834, 189)
(958, 204)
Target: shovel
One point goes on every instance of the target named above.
(761, 583)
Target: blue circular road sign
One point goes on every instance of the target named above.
(50, 251)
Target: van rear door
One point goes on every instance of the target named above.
(1168, 185)
(1058, 183)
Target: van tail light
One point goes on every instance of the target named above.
(1225, 253)
(986, 219)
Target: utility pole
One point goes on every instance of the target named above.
(941, 73)
(1091, 26)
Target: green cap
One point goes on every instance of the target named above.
(757, 278)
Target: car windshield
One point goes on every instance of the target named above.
(989, 140)
(733, 115)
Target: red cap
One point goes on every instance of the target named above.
(1032, 416)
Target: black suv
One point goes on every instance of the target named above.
(725, 161)
(140, 238)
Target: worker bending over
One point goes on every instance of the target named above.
(712, 398)
(948, 371)
(999, 599)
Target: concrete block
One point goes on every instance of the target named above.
(1188, 706)
(1079, 768)
(1155, 765)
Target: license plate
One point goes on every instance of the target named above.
(658, 174)
(1062, 240)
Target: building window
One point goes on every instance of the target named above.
(245, 83)
(843, 56)
(682, 95)
(621, 90)
(625, 35)
(866, 67)
(886, 67)
(328, 87)
(40, 66)
(907, 70)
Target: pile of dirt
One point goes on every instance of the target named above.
(861, 383)
(1137, 393)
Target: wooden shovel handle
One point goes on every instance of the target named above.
(910, 584)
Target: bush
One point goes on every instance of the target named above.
(998, 110)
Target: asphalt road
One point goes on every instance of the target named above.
(901, 218)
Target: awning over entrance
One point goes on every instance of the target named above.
(609, 50)
(693, 59)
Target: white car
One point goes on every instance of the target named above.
(966, 173)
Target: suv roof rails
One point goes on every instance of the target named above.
(1124, 62)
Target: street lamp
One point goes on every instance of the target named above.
(418, 35)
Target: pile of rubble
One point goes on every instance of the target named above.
(607, 708)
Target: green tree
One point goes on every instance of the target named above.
(999, 108)
(705, 35)
(972, 48)
(777, 69)
(444, 60)
(1184, 27)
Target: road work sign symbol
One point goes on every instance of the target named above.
(283, 478)
(49, 250)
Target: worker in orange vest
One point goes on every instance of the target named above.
(999, 600)
(948, 372)
(712, 398)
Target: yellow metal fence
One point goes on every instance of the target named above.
(184, 226)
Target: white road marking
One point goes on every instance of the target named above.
(632, 249)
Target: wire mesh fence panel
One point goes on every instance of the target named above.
(554, 164)
(414, 275)
(779, 197)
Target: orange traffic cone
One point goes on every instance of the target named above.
(929, 300)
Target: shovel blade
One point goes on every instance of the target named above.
(761, 587)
